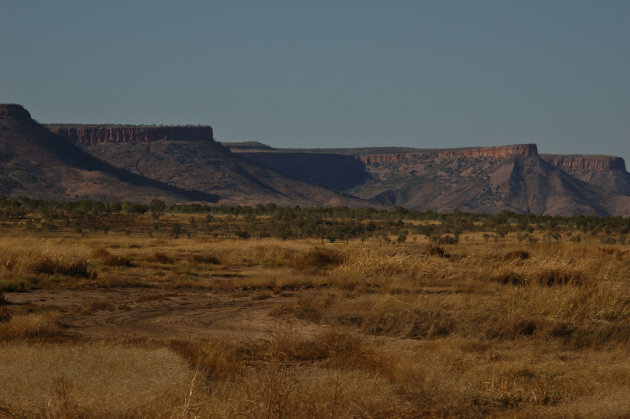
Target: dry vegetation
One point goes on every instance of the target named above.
(359, 329)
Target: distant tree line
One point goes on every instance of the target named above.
(327, 223)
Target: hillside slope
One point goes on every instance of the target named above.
(484, 179)
(36, 163)
(189, 158)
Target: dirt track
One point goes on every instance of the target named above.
(175, 313)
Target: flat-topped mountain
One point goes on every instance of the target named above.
(188, 157)
(186, 164)
(35, 162)
(480, 179)
(585, 163)
(607, 173)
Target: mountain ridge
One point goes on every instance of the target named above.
(188, 157)
(186, 164)
(479, 179)
(36, 162)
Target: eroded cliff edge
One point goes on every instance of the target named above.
(597, 163)
(93, 134)
(498, 152)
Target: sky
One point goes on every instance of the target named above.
(341, 73)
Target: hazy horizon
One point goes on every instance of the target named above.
(300, 74)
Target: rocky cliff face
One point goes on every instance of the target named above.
(575, 163)
(116, 134)
(518, 150)
(385, 159)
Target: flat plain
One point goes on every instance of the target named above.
(180, 315)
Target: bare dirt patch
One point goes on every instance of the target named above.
(161, 313)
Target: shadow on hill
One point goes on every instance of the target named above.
(75, 157)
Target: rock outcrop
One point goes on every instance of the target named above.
(93, 134)
(499, 152)
(576, 163)
(518, 150)
(386, 159)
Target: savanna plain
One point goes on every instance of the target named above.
(171, 314)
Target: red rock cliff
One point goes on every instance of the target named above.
(98, 134)
(380, 159)
(519, 150)
(573, 163)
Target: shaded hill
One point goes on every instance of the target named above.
(185, 164)
(479, 180)
(608, 173)
(34, 162)
(189, 158)
(482, 179)
(337, 172)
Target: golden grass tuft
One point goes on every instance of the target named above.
(219, 359)
(160, 257)
(56, 265)
(317, 260)
(31, 325)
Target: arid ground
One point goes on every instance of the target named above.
(129, 320)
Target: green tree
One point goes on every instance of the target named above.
(157, 208)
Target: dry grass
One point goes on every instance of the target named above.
(363, 330)
(91, 380)
(33, 325)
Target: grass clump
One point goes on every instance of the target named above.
(48, 264)
(109, 259)
(219, 359)
(317, 260)
(204, 259)
(433, 249)
(31, 325)
(160, 257)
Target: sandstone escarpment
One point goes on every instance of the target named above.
(576, 163)
(384, 159)
(92, 134)
(518, 150)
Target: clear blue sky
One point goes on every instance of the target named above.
(331, 73)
